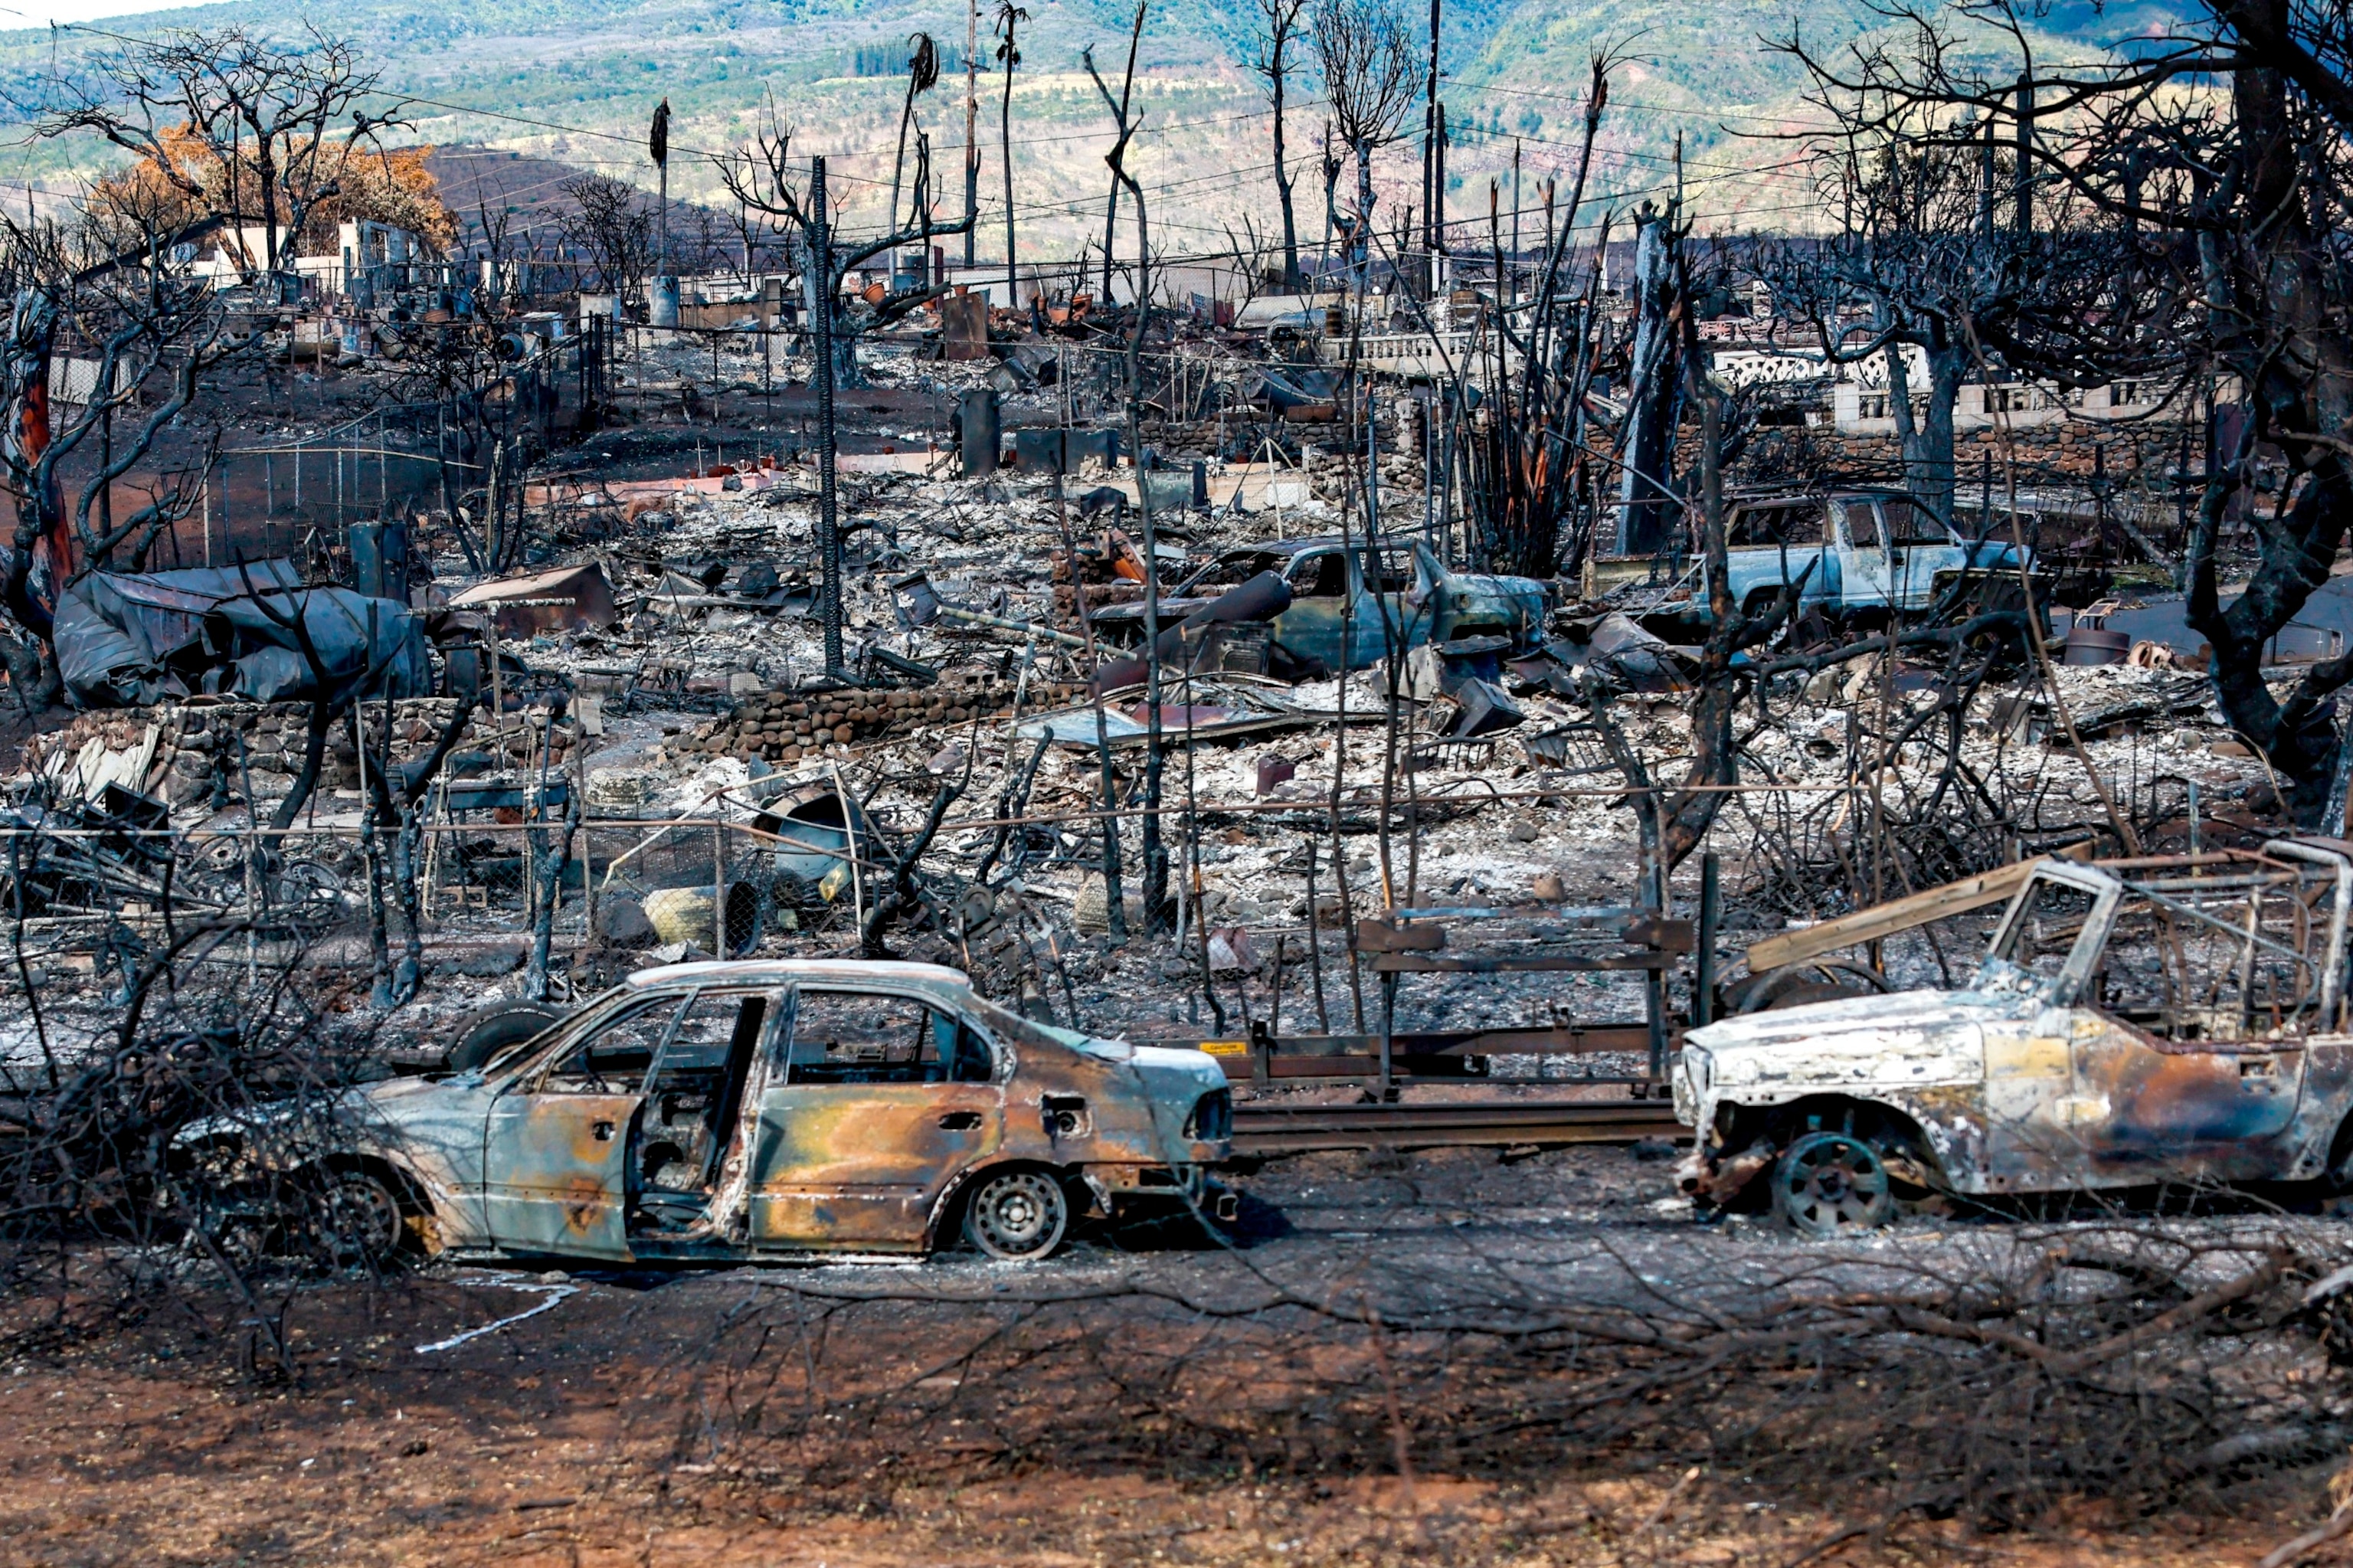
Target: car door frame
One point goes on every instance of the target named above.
(2031, 1143)
(775, 1224)
(1310, 627)
(586, 1201)
(1856, 578)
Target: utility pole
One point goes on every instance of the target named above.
(828, 531)
(1985, 184)
(1439, 203)
(1433, 161)
(658, 144)
(971, 128)
(2022, 178)
(662, 310)
(1012, 15)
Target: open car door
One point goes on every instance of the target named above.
(555, 1149)
(614, 1146)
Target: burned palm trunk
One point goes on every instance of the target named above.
(1646, 499)
(1673, 826)
(550, 871)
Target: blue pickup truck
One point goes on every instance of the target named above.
(1859, 552)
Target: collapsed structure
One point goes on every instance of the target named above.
(1189, 649)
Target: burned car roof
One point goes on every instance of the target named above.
(780, 971)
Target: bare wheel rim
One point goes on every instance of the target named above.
(1828, 1184)
(361, 1220)
(1018, 1217)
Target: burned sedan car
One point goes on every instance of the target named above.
(2133, 1023)
(729, 1112)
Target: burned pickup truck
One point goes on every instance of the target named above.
(2133, 1023)
(735, 1112)
(1855, 555)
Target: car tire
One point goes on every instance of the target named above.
(1017, 1217)
(487, 1030)
(1827, 1184)
(361, 1222)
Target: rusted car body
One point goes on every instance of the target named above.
(719, 1112)
(2133, 1023)
(1416, 601)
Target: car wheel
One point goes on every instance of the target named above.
(487, 1030)
(1018, 1215)
(1828, 1184)
(360, 1220)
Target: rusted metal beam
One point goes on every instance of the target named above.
(1446, 1054)
(1497, 964)
(1263, 1130)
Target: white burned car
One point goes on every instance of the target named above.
(723, 1112)
(2133, 1023)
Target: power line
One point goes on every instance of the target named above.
(1632, 103)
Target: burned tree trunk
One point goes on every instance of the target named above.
(2298, 544)
(1646, 498)
(1926, 440)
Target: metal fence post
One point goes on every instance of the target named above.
(718, 890)
(252, 903)
(587, 834)
(587, 888)
(1711, 898)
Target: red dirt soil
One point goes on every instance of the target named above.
(570, 1438)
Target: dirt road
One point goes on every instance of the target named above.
(1141, 1399)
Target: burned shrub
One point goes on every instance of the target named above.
(126, 1181)
(1997, 1378)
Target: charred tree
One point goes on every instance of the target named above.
(1278, 36)
(2209, 167)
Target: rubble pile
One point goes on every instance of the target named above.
(185, 753)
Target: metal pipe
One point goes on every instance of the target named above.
(1025, 628)
(829, 524)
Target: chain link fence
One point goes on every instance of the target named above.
(121, 891)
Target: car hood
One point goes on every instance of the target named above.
(1913, 1037)
(1178, 1072)
(396, 1116)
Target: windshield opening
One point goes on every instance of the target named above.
(2038, 939)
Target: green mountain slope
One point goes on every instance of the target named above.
(577, 80)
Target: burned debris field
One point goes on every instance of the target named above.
(755, 856)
